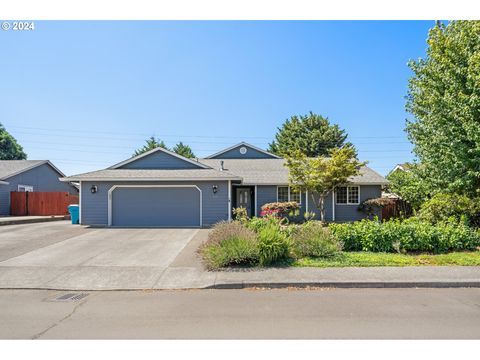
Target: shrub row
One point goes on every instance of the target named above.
(410, 235)
(265, 241)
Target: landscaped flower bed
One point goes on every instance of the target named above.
(271, 240)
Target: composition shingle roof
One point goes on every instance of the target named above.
(9, 168)
(153, 174)
(250, 171)
(273, 171)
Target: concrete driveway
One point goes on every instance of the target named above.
(62, 256)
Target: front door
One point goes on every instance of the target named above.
(244, 199)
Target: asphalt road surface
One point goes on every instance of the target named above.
(243, 314)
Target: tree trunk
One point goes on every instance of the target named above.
(320, 204)
(321, 207)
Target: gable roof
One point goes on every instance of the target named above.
(9, 168)
(138, 157)
(243, 143)
(153, 175)
(274, 172)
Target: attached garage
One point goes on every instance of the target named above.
(155, 206)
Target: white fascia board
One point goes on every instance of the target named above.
(148, 179)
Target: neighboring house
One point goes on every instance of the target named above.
(29, 175)
(401, 167)
(162, 189)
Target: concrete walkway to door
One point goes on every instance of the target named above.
(64, 256)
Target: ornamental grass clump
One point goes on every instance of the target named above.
(314, 240)
(273, 245)
(230, 244)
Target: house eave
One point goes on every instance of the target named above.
(68, 179)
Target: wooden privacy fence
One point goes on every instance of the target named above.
(41, 203)
(396, 208)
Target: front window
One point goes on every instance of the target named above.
(348, 195)
(284, 194)
(295, 196)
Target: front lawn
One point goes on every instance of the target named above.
(366, 259)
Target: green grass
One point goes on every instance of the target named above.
(365, 259)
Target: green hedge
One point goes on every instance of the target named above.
(409, 235)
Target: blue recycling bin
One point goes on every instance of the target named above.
(73, 210)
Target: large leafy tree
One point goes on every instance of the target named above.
(311, 134)
(444, 97)
(321, 175)
(150, 144)
(184, 150)
(9, 148)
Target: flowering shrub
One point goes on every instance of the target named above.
(280, 209)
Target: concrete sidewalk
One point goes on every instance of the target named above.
(371, 277)
(153, 278)
(15, 220)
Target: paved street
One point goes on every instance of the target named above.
(285, 313)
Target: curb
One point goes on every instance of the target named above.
(349, 285)
(30, 221)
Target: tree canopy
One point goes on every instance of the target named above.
(150, 144)
(184, 150)
(444, 98)
(321, 175)
(311, 134)
(9, 148)
(153, 143)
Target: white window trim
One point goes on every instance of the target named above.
(29, 187)
(348, 203)
(289, 199)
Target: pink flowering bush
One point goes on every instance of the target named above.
(280, 209)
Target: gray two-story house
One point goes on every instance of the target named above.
(163, 189)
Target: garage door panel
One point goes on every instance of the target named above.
(156, 206)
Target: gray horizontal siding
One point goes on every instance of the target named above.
(94, 207)
(235, 154)
(4, 199)
(345, 213)
(42, 178)
(159, 160)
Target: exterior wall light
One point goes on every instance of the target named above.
(215, 189)
(93, 189)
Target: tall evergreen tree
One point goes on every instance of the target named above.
(151, 143)
(311, 134)
(184, 150)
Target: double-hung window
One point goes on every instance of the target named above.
(348, 195)
(285, 193)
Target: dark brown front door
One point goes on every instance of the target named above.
(244, 199)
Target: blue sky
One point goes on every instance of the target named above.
(86, 94)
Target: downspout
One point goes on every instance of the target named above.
(229, 205)
(306, 201)
(333, 204)
(256, 200)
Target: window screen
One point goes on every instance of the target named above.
(282, 193)
(342, 195)
(295, 196)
